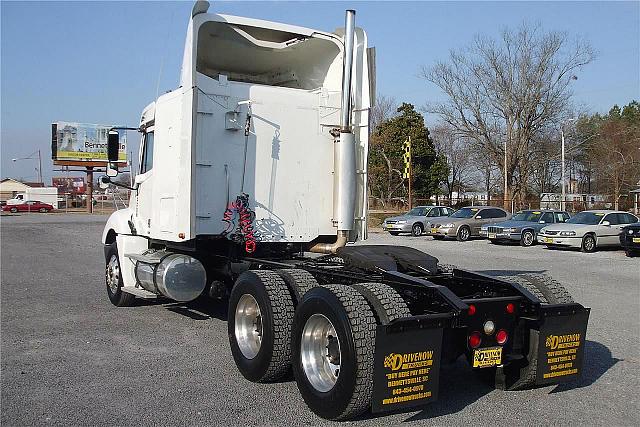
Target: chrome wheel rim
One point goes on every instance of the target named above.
(248, 326)
(113, 274)
(589, 243)
(464, 233)
(528, 239)
(417, 230)
(320, 353)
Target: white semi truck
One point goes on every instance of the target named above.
(252, 187)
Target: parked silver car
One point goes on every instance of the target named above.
(466, 222)
(587, 230)
(523, 227)
(415, 221)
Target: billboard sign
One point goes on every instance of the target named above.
(69, 185)
(80, 143)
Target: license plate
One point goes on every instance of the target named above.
(636, 240)
(434, 230)
(492, 235)
(487, 357)
(548, 240)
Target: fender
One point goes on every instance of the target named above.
(118, 222)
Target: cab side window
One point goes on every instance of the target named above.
(147, 154)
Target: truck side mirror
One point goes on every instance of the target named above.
(113, 147)
(104, 182)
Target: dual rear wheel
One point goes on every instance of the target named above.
(326, 334)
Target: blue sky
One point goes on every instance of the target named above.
(99, 62)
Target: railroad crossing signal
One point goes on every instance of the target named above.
(406, 157)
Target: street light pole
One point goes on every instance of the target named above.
(40, 167)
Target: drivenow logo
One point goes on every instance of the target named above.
(396, 361)
(562, 341)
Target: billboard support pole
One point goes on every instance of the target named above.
(89, 189)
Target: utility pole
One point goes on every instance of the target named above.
(407, 174)
(40, 167)
(504, 202)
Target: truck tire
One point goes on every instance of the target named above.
(464, 233)
(299, 282)
(113, 279)
(549, 291)
(334, 334)
(260, 317)
(385, 302)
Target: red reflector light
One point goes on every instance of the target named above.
(510, 308)
(475, 339)
(502, 336)
(472, 310)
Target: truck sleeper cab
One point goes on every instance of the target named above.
(265, 141)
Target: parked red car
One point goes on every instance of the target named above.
(29, 206)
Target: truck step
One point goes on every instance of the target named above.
(139, 292)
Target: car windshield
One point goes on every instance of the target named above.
(531, 216)
(416, 212)
(465, 213)
(590, 218)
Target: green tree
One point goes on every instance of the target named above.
(385, 161)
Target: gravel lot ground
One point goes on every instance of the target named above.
(70, 358)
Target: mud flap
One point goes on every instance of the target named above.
(561, 343)
(407, 362)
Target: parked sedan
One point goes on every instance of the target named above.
(29, 206)
(587, 230)
(523, 227)
(630, 239)
(466, 222)
(415, 220)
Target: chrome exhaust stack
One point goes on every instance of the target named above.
(344, 152)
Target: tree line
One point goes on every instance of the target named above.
(506, 103)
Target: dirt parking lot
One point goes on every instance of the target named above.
(70, 358)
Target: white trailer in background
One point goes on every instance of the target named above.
(43, 194)
(260, 157)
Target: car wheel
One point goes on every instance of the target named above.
(394, 233)
(588, 243)
(416, 230)
(42, 210)
(527, 238)
(463, 234)
(13, 210)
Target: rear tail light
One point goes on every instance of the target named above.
(502, 337)
(472, 310)
(475, 339)
(510, 308)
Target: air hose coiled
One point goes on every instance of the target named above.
(243, 233)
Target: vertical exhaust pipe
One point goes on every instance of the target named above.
(344, 152)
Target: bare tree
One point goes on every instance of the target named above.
(458, 155)
(384, 108)
(507, 91)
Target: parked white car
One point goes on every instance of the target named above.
(587, 230)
